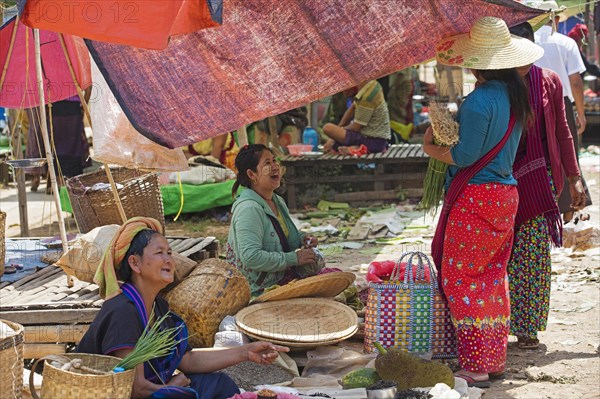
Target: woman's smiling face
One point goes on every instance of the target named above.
(268, 172)
(157, 265)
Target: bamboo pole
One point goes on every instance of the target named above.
(242, 135)
(48, 148)
(86, 112)
(15, 133)
(9, 53)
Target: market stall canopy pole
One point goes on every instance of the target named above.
(270, 56)
(140, 23)
(46, 138)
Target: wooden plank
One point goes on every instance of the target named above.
(32, 289)
(55, 333)
(34, 276)
(187, 244)
(36, 351)
(401, 177)
(65, 305)
(51, 316)
(199, 246)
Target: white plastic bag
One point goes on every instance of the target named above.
(117, 142)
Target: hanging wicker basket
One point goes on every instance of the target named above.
(213, 290)
(59, 383)
(11, 362)
(139, 194)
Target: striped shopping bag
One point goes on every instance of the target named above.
(408, 312)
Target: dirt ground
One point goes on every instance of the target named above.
(566, 365)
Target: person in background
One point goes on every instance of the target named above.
(366, 123)
(562, 56)
(544, 155)
(263, 243)
(340, 102)
(474, 236)
(400, 103)
(140, 257)
(579, 33)
(67, 135)
(223, 148)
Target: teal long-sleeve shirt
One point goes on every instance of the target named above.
(483, 119)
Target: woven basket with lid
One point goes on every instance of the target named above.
(11, 362)
(59, 383)
(213, 290)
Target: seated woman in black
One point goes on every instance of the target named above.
(142, 259)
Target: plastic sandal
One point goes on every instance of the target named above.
(471, 382)
(497, 375)
(528, 343)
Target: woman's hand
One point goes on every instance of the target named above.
(263, 352)
(306, 256)
(310, 242)
(180, 380)
(428, 136)
(578, 196)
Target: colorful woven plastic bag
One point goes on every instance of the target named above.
(408, 312)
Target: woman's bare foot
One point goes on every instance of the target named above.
(328, 146)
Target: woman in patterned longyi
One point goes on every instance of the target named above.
(474, 236)
(542, 159)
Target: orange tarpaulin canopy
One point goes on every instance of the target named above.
(139, 23)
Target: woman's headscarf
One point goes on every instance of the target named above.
(106, 274)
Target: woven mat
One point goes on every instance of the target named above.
(300, 320)
(320, 286)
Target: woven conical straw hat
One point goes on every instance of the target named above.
(488, 45)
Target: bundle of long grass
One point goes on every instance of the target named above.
(153, 343)
(445, 132)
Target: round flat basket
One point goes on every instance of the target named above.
(321, 286)
(299, 345)
(301, 320)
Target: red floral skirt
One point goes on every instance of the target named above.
(477, 247)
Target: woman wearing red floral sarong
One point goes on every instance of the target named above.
(474, 236)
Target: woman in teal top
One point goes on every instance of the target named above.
(473, 241)
(483, 118)
(263, 243)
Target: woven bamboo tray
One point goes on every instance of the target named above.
(11, 363)
(321, 286)
(139, 193)
(300, 320)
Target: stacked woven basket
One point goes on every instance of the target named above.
(302, 314)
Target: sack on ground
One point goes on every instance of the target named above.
(83, 258)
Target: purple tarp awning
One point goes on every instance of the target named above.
(271, 55)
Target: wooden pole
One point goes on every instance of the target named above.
(86, 112)
(273, 137)
(46, 138)
(20, 177)
(242, 135)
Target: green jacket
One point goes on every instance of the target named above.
(253, 245)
